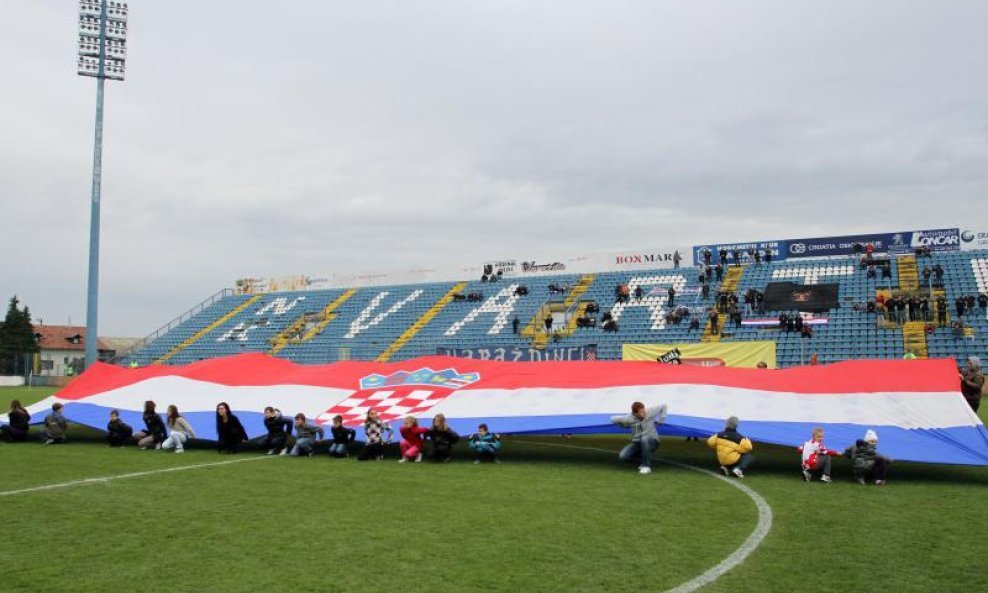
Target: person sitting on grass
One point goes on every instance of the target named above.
(866, 463)
(374, 432)
(55, 426)
(278, 429)
(342, 437)
(644, 438)
(733, 449)
(230, 433)
(154, 428)
(443, 438)
(816, 457)
(305, 436)
(485, 445)
(118, 432)
(20, 422)
(180, 431)
(412, 440)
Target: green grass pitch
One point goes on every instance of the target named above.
(549, 518)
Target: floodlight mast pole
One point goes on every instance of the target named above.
(102, 55)
(92, 295)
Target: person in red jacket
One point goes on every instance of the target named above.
(412, 439)
(816, 457)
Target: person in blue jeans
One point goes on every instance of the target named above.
(342, 437)
(644, 438)
(305, 436)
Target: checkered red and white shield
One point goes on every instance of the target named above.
(391, 404)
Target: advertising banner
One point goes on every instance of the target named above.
(729, 354)
(520, 354)
(974, 239)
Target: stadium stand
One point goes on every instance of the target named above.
(400, 322)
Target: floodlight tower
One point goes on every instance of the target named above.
(102, 54)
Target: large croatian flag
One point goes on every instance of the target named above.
(915, 406)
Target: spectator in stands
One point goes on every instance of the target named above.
(704, 290)
(759, 301)
(768, 255)
(972, 382)
(694, 324)
(676, 258)
(807, 331)
(485, 445)
(610, 325)
(412, 440)
(791, 323)
(644, 438)
(714, 318)
(230, 433)
(443, 438)
(708, 272)
(154, 428)
(639, 293)
(733, 449)
(942, 310)
(970, 300)
(737, 257)
(784, 321)
(514, 325)
(723, 255)
(924, 309)
(960, 304)
(719, 272)
(179, 431)
(758, 256)
(983, 302)
(736, 316)
(870, 273)
(548, 323)
(958, 329)
(20, 422)
(722, 302)
(671, 301)
(762, 365)
(927, 273)
(816, 457)
(521, 290)
(339, 446)
(707, 254)
(938, 275)
(814, 359)
(900, 309)
(118, 432)
(375, 430)
(278, 429)
(798, 322)
(305, 436)
(56, 426)
(866, 463)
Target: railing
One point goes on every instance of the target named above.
(195, 310)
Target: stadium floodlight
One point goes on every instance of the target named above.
(102, 55)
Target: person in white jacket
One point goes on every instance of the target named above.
(179, 431)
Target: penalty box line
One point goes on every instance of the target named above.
(100, 480)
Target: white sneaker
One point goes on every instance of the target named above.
(807, 476)
(825, 479)
(723, 470)
(284, 451)
(418, 458)
(270, 451)
(643, 470)
(402, 460)
(157, 447)
(179, 450)
(737, 472)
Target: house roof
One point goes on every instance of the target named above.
(64, 337)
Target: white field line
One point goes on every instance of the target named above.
(737, 556)
(88, 481)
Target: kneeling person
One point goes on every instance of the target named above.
(644, 437)
(733, 449)
(305, 436)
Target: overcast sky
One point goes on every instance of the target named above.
(387, 135)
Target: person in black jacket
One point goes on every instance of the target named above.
(230, 433)
(20, 421)
(278, 428)
(443, 438)
(118, 432)
(342, 437)
(154, 433)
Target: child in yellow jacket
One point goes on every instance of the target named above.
(733, 449)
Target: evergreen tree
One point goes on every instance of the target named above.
(17, 341)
